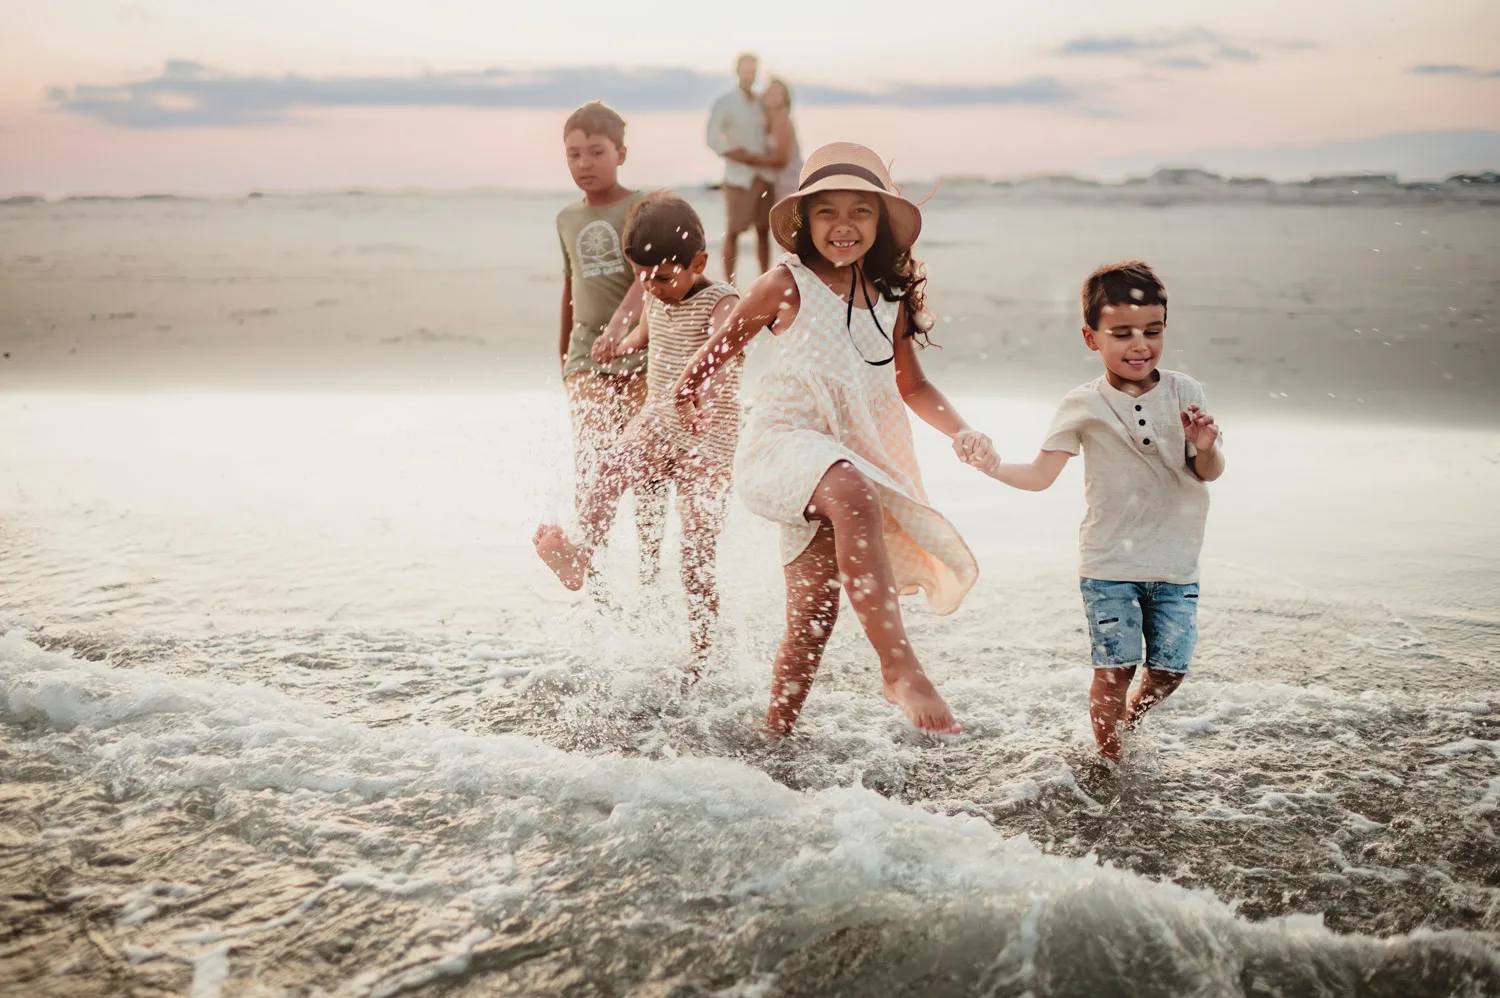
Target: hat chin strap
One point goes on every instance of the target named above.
(843, 170)
(857, 277)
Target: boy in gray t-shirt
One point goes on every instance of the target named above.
(604, 394)
(1148, 449)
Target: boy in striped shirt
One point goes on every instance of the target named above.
(665, 245)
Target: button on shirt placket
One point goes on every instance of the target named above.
(1141, 422)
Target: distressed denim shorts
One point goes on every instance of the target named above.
(1126, 618)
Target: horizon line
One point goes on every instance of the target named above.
(994, 180)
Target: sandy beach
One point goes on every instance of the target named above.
(1385, 308)
(289, 707)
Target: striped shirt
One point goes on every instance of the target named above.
(676, 333)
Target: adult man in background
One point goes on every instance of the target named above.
(737, 132)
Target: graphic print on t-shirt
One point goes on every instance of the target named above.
(598, 248)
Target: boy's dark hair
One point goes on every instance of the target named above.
(1129, 282)
(663, 228)
(598, 118)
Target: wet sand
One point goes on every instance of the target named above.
(1386, 309)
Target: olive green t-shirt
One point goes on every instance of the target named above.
(593, 258)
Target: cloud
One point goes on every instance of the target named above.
(1450, 69)
(190, 94)
(1190, 48)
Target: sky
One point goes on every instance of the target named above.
(226, 96)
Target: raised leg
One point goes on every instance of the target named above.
(590, 412)
(633, 464)
(812, 607)
(848, 501)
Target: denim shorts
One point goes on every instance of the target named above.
(1125, 616)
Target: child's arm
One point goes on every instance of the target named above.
(637, 340)
(566, 338)
(771, 299)
(1037, 476)
(928, 402)
(609, 345)
(1202, 433)
(708, 395)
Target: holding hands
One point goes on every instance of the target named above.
(607, 348)
(975, 449)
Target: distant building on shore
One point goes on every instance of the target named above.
(1184, 176)
(1460, 179)
(1356, 181)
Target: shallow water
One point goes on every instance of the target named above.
(288, 704)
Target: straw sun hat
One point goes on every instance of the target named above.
(845, 166)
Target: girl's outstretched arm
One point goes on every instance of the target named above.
(771, 301)
(927, 401)
(919, 394)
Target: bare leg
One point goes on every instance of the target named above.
(632, 464)
(848, 501)
(812, 607)
(1107, 708)
(650, 493)
(589, 410)
(763, 249)
(1156, 687)
(701, 507)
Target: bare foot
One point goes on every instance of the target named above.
(920, 701)
(560, 554)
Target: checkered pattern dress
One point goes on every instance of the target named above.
(821, 403)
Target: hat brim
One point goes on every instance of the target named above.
(786, 215)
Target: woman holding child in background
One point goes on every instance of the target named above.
(785, 155)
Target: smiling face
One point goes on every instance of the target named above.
(1129, 340)
(593, 160)
(670, 282)
(843, 224)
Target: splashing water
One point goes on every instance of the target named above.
(308, 715)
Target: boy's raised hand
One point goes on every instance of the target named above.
(975, 449)
(1199, 428)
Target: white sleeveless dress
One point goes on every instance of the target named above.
(821, 403)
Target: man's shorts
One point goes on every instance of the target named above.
(748, 207)
(1125, 616)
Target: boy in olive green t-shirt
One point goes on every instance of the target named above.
(602, 396)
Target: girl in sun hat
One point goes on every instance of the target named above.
(827, 452)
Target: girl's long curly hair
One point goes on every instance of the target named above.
(896, 274)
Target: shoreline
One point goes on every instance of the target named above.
(958, 189)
